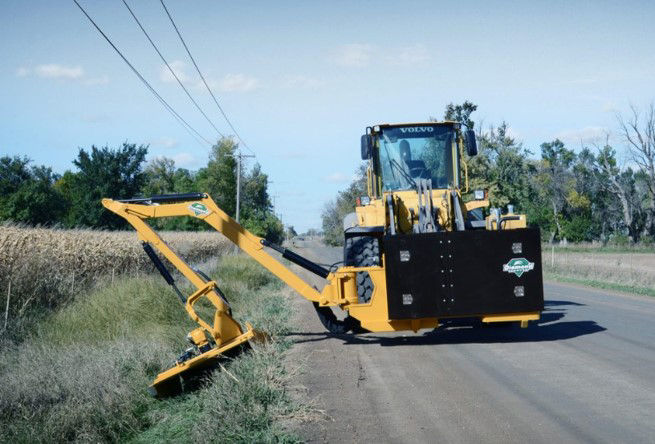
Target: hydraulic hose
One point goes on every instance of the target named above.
(162, 269)
(298, 259)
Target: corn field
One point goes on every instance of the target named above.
(42, 267)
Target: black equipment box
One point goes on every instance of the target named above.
(463, 273)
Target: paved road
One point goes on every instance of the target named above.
(585, 373)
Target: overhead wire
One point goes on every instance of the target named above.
(171, 69)
(190, 129)
(179, 34)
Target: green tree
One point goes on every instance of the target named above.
(460, 113)
(335, 210)
(256, 209)
(556, 180)
(218, 178)
(13, 172)
(28, 194)
(160, 177)
(254, 190)
(501, 168)
(104, 172)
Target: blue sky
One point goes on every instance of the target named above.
(301, 80)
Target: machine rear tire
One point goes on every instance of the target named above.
(362, 251)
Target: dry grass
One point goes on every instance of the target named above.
(82, 375)
(45, 266)
(628, 269)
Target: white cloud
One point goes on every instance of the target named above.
(302, 82)
(407, 55)
(179, 68)
(583, 135)
(56, 71)
(102, 80)
(185, 160)
(165, 142)
(229, 83)
(238, 82)
(356, 55)
(62, 72)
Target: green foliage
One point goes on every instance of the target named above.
(218, 178)
(619, 240)
(35, 195)
(256, 209)
(104, 172)
(162, 177)
(460, 113)
(28, 194)
(334, 211)
(263, 224)
(501, 168)
(13, 172)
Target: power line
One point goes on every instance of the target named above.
(171, 69)
(191, 130)
(203, 77)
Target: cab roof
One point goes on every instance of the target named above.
(376, 128)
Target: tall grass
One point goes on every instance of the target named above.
(45, 266)
(630, 271)
(82, 374)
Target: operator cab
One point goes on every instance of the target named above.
(402, 154)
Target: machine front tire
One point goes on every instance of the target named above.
(362, 251)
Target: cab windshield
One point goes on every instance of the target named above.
(416, 152)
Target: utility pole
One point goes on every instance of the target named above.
(239, 157)
(274, 196)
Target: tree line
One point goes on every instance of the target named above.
(603, 191)
(36, 195)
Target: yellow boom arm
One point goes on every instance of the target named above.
(206, 209)
(223, 333)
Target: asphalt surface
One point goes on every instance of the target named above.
(584, 373)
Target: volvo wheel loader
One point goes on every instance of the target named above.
(415, 253)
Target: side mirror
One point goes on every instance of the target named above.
(367, 146)
(471, 144)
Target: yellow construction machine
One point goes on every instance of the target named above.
(415, 254)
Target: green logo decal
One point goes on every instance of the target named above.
(199, 209)
(518, 266)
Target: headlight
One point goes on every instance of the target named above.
(479, 194)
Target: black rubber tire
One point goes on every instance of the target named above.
(332, 324)
(362, 251)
